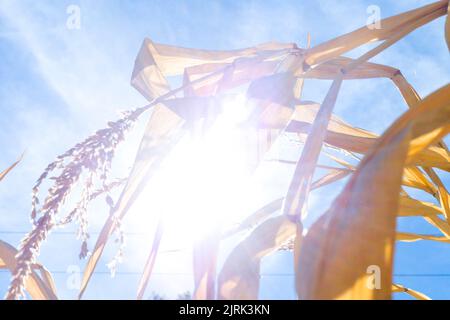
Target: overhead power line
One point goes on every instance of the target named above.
(124, 273)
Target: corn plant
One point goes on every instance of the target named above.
(358, 230)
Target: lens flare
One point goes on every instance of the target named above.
(204, 183)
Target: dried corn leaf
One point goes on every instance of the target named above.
(6, 171)
(34, 285)
(330, 69)
(413, 177)
(155, 62)
(332, 265)
(435, 109)
(364, 210)
(430, 121)
(206, 87)
(447, 27)
(148, 268)
(342, 162)
(206, 251)
(344, 136)
(338, 134)
(239, 278)
(296, 198)
(434, 156)
(413, 293)
(412, 98)
(413, 207)
(241, 71)
(46, 277)
(393, 38)
(390, 26)
(440, 224)
(407, 91)
(444, 196)
(412, 237)
(306, 111)
(332, 176)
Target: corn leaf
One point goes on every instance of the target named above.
(412, 237)
(444, 196)
(329, 70)
(155, 62)
(35, 286)
(332, 265)
(296, 197)
(6, 171)
(447, 27)
(413, 177)
(364, 210)
(364, 35)
(206, 251)
(239, 278)
(148, 268)
(413, 293)
(413, 207)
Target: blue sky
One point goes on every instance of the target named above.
(59, 85)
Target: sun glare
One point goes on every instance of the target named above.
(205, 183)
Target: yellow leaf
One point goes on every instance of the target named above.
(447, 27)
(430, 121)
(408, 92)
(440, 224)
(239, 278)
(364, 35)
(365, 211)
(412, 237)
(330, 69)
(413, 293)
(413, 177)
(332, 176)
(297, 195)
(444, 196)
(205, 253)
(413, 207)
(148, 268)
(155, 62)
(6, 171)
(34, 285)
(332, 265)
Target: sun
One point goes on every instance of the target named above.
(204, 185)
